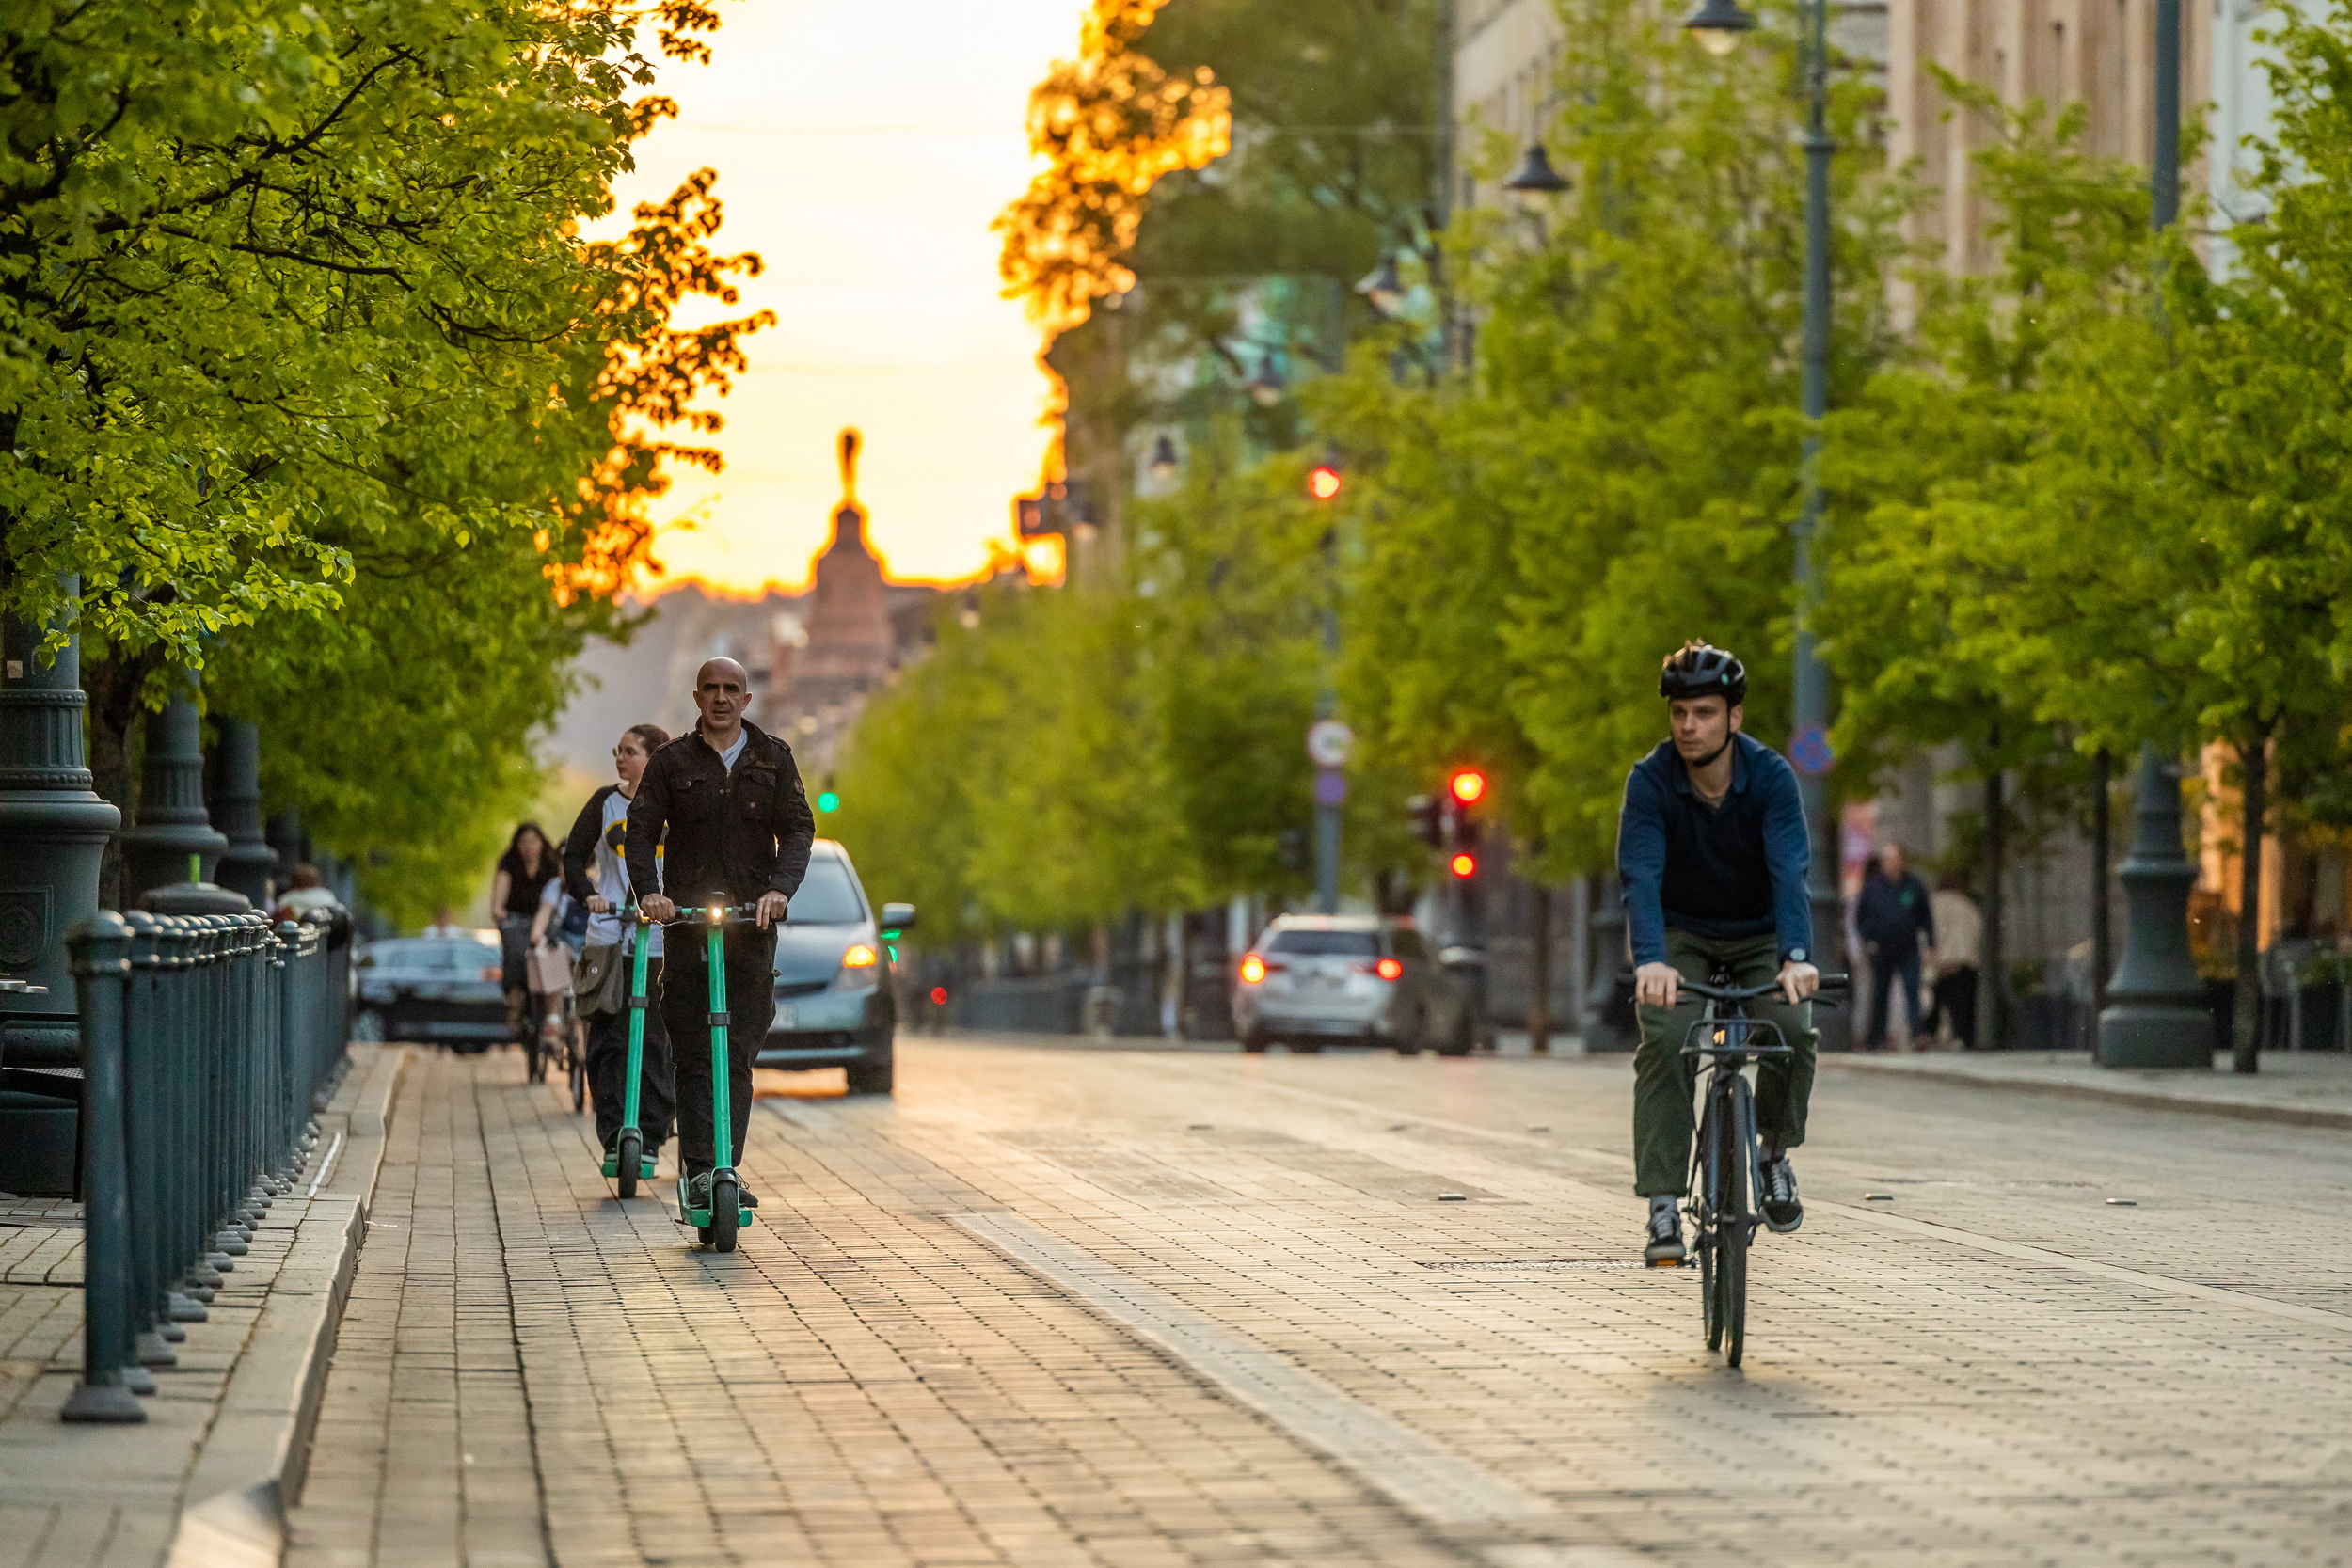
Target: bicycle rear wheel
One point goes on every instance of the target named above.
(1735, 1228)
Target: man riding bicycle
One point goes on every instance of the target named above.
(1712, 851)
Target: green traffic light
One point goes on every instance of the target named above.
(828, 800)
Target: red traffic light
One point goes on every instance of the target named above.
(1464, 865)
(1468, 785)
(1323, 482)
(939, 996)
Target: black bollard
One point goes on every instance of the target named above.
(147, 1090)
(101, 967)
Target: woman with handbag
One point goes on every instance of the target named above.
(595, 875)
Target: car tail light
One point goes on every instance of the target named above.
(1389, 968)
(493, 972)
(859, 957)
(1252, 970)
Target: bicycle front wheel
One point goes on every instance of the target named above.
(1705, 1235)
(1735, 1227)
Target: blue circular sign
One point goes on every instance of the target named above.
(1330, 787)
(1808, 750)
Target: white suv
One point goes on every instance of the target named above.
(1357, 979)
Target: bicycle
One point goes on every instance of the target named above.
(1726, 1166)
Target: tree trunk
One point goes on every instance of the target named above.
(2101, 871)
(2246, 1036)
(115, 713)
(1539, 974)
(1991, 1027)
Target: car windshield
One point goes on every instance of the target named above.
(826, 896)
(431, 953)
(1306, 944)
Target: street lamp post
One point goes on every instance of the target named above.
(1718, 26)
(2155, 1015)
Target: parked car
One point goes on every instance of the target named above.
(1357, 979)
(834, 1003)
(432, 989)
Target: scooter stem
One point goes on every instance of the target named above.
(722, 1119)
(637, 1005)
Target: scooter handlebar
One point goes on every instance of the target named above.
(699, 915)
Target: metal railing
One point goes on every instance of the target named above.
(208, 1044)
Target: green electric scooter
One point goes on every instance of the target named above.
(629, 1162)
(718, 1224)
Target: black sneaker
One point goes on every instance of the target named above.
(1782, 1210)
(698, 1193)
(1665, 1236)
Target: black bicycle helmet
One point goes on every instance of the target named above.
(1698, 670)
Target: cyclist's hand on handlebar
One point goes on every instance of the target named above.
(1656, 985)
(1798, 981)
(772, 908)
(657, 907)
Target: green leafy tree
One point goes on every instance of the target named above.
(290, 292)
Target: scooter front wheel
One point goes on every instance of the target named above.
(727, 1211)
(627, 1165)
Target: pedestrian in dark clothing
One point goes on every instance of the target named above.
(1891, 916)
(594, 873)
(739, 831)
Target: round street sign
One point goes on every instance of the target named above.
(1808, 749)
(1330, 743)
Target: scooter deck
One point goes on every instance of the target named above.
(701, 1217)
(612, 1166)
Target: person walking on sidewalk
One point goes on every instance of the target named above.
(1959, 939)
(596, 875)
(1892, 916)
(739, 831)
(1711, 848)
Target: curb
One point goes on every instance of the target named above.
(2138, 1099)
(258, 1451)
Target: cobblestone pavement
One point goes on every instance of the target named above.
(1059, 1307)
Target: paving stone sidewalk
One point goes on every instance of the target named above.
(2309, 1088)
(85, 1496)
(1062, 1306)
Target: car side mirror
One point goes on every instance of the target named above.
(898, 917)
(366, 961)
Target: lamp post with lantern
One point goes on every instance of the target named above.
(1718, 26)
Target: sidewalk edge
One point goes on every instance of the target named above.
(254, 1459)
(2229, 1110)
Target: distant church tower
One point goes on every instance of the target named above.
(849, 628)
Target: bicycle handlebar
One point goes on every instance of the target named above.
(1741, 993)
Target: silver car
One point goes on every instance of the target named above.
(1356, 979)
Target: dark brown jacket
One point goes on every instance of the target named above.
(735, 834)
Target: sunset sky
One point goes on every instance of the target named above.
(862, 151)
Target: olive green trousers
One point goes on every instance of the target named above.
(1664, 1080)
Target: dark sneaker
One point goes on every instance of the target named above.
(698, 1191)
(1782, 1210)
(1665, 1236)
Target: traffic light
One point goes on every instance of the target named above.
(1464, 865)
(1468, 786)
(1323, 482)
(828, 799)
(1425, 816)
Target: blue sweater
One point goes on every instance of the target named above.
(1733, 870)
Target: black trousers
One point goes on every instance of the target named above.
(608, 1070)
(1956, 999)
(750, 967)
